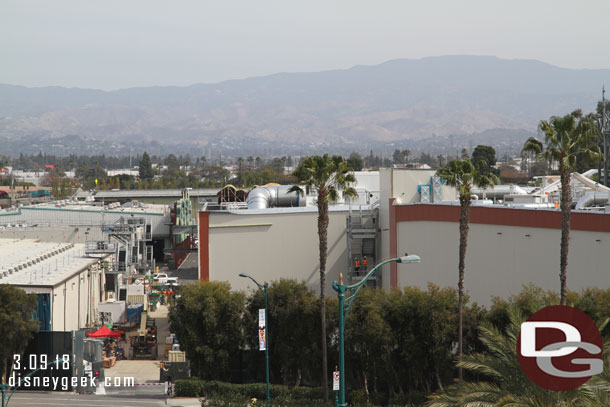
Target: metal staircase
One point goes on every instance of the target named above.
(126, 239)
(363, 243)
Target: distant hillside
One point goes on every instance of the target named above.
(405, 101)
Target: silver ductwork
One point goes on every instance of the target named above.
(498, 191)
(274, 196)
(592, 198)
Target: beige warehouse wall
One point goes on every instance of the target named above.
(79, 310)
(276, 245)
(500, 259)
(400, 183)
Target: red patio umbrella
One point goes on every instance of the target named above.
(105, 332)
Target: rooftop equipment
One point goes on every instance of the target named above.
(274, 196)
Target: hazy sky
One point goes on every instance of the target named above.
(109, 44)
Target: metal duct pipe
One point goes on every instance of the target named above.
(592, 198)
(271, 196)
(498, 191)
(533, 205)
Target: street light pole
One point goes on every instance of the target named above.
(264, 288)
(341, 288)
(3, 388)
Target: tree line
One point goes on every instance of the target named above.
(401, 346)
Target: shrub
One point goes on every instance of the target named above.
(188, 388)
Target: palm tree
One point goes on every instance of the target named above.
(327, 176)
(462, 174)
(507, 385)
(568, 139)
(240, 171)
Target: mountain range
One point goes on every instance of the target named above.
(439, 103)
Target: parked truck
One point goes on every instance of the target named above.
(144, 342)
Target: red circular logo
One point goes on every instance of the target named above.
(559, 348)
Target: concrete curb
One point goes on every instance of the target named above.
(184, 402)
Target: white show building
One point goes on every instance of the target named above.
(69, 285)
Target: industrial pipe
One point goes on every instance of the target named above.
(273, 196)
(592, 198)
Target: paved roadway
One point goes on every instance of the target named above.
(188, 271)
(142, 397)
(145, 397)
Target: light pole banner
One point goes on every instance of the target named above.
(261, 318)
(262, 341)
(336, 380)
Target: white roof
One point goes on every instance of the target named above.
(67, 205)
(148, 193)
(29, 262)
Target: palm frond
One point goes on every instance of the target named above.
(532, 145)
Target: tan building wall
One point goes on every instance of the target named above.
(400, 184)
(74, 302)
(276, 244)
(501, 258)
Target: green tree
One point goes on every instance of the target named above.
(397, 157)
(172, 163)
(485, 158)
(328, 176)
(426, 158)
(369, 340)
(288, 301)
(463, 175)
(17, 324)
(355, 162)
(207, 321)
(240, 170)
(505, 384)
(440, 161)
(146, 170)
(567, 140)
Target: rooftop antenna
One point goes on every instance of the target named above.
(604, 142)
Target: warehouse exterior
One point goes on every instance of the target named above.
(508, 247)
(69, 285)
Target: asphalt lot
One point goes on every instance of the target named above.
(136, 398)
(188, 271)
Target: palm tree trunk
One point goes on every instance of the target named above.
(464, 219)
(566, 207)
(323, 238)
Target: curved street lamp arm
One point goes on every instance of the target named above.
(255, 282)
(356, 287)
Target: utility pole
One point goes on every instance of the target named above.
(605, 134)
(12, 188)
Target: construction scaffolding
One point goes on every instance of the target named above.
(362, 244)
(127, 240)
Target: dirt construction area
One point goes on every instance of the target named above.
(144, 370)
